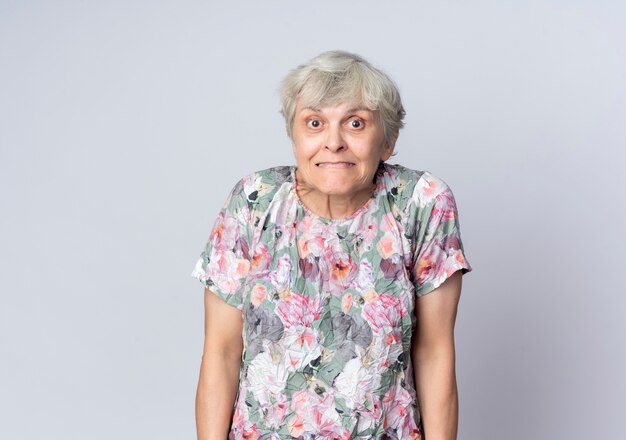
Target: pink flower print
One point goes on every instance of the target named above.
(427, 188)
(383, 314)
(308, 223)
(225, 232)
(296, 426)
(281, 276)
(399, 413)
(298, 309)
(261, 258)
(241, 425)
(312, 240)
(447, 204)
(346, 302)
(311, 244)
(303, 339)
(429, 263)
(341, 270)
(240, 416)
(218, 229)
(388, 347)
(258, 294)
(459, 258)
(369, 230)
(251, 432)
(370, 412)
(387, 246)
(365, 276)
(340, 433)
(227, 271)
(317, 413)
(300, 401)
(301, 346)
(324, 419)
(275, 412)
(388, 223)
(438, 266)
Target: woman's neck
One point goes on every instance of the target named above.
(333, 206)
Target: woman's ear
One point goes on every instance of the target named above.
(389, 148)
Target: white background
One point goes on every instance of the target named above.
(123, 125)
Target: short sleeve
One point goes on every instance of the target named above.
(225, 260)
(437, 249)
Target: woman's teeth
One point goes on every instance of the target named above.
(335, 164)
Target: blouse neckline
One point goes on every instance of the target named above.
(379, 184)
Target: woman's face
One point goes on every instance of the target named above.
(338, 148)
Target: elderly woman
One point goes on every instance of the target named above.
(331, 286)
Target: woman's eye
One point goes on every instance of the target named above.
(356, 123)
(314, 123)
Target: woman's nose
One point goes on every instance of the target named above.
(334, 139)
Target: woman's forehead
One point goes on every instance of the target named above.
(331, 95)
(349, 106)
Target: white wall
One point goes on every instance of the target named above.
(124, 124)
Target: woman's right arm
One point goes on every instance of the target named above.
(219, 372)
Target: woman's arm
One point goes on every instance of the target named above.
(433, 358)
(219, 372)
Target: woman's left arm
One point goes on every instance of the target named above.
(433, 356)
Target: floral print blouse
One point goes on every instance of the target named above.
(328, 304)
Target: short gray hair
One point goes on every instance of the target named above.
(338, 76)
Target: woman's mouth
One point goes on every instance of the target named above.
(335, 165)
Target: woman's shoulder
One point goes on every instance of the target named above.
(268, 179)
(260, 186)
(407, 184)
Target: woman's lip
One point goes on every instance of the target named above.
(334, 164)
